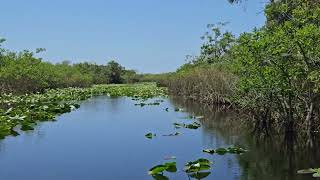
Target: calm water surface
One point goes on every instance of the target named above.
(104, 140)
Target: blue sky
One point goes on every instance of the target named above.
(145, 35)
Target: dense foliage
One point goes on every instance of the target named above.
(22, 72)
(273, 73)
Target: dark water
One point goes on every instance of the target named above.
(104, 140)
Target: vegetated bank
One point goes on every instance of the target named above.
(272, 73)
(25, 111)
(23, 72)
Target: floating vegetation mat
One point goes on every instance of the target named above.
(24, 111)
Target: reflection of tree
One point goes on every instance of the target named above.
(276, 157)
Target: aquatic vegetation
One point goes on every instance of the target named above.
(157, 171)
(197, 166)
(24, 111)
(200, 175)
(147, 104)
(173, 134)
(160, 177)
(197, 169)
(210, 151)
(140, 104)
(179, 109)
(236, 150)
(222, 151)
(194, 125)
(150, 135)
(315, 172)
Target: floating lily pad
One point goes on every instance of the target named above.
(221, 151)
(157, 169)
(200, 175)
(173, 134)
(178, 109)
(236, 150)
(197, 166)
(150, 135)
(210, 151)
(169, 167)
(194, 125)
(160, 177)
(315, 172)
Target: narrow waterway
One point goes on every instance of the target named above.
(105, 140)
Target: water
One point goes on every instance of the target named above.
(104, 140)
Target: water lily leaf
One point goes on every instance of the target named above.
(306, 171)
(178, 109)
(160, 177)
(154, 104)
(150, 135)
(140, 104)
(157, 169)
(316, 175)
(197, 166)
(173, 134)
(200, 175)
(210, 151)
(221, 151)
(171, 166)
(236, 150)
(194, 125)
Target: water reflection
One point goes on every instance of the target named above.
(273, 158)
(107, 136)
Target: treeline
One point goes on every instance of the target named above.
(22, 72)
(271, 73)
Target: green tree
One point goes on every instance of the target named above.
(114, 72)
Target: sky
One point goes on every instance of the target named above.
(150, 36)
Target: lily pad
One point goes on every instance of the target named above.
(160, 177)
(150, 135)
(173, 134)
(194, 125)
(210, 151)
(236, 150)
(169, 167)
(197, 166)
(157, 169)
(221, 151)
(200, 175)
(315, 172)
